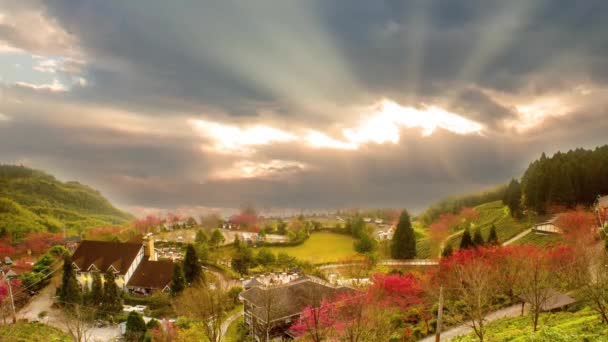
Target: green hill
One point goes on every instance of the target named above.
(33, 201)
(498, 214)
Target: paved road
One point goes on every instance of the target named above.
(414, 262)
(517, 237)
(228, 321)
(43, 301)
(463, 329)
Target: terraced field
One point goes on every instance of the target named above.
(498, 214)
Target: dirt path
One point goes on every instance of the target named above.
(228, 321)
(43, 302)
(463, 329)
(517, 237)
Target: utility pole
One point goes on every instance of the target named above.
(10, 292)
(439, 315)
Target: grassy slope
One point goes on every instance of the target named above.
(583, 325)
(498, 214)
(31, 200)
(232, 334)
(539, 239)
(32, 332)
(321, 248)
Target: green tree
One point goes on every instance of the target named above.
(365, 244)
(447, 250)
(192, 266)
(191, 222)
(403, 245)
(70, 292)
(201, 237)
(112, 303)
(136, 327)
(466, 241)
(178, 281)
(217, 238)
(237, 241)
(493, 237)
(242, 260)
(96, 294)
(478, 238)
(265, 257)
(512, 198)
(281, 227)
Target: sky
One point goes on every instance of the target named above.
(298, 105)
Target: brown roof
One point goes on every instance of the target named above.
(152, 274)
(104, 254)
(289, 299)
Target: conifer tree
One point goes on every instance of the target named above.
(192, 267)
(447, 250)
(96, 289)
(403, 245)
(493, 237)
(111, 303)
(135, 327)
(178, 281)
(70, 292)
(478, 238)
(466, 241)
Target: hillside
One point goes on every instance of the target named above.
(494, 213)
(33, 201)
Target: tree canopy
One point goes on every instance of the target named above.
(403, 245)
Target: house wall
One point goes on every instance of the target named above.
(133, 267)
(86, 278)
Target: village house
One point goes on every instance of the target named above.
(134, 265)
(549, 226)
(270, 311)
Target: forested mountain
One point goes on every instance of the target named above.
(566, 179)
(31, 200)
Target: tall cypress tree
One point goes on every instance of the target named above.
(403, 245)
(135, 327)
(447, 250)
(96, 294)
(178, 282)
(111, 303)
(493, 237)
(70, 292)
(192, 267)
(478, 238)
(466, 241)
(512, 198)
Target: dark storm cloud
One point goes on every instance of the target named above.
(153, 66)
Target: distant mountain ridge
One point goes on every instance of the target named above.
(34, 201)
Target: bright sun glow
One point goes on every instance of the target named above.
(383, 124)
(230, 138)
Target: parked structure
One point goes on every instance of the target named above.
(135, 267)
(550, 226)
(271, 310)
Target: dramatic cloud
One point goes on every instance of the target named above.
(298, 104)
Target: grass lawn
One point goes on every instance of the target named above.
(583, 325)
(32, 332)
(533, 238)
(233, 335)
(322, 247)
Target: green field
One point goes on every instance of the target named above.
(498, 214)
(583, 325)
(539, 239)
(32, 332)
(321, 248)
